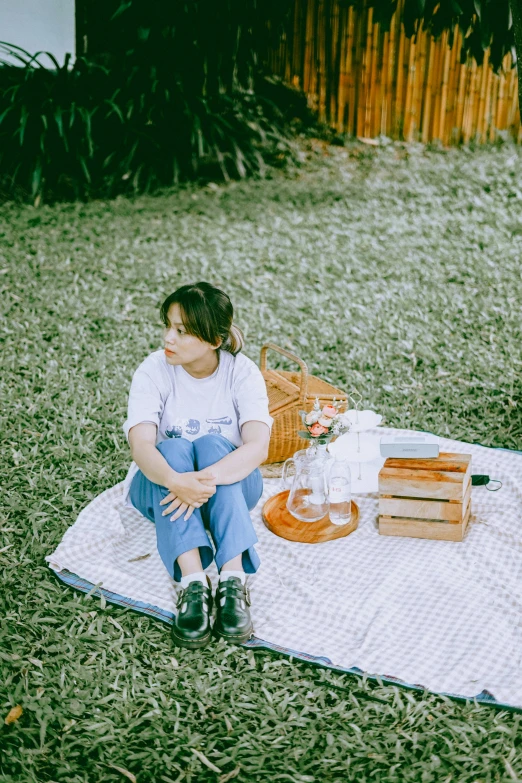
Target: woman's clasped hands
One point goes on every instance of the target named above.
(189, 491)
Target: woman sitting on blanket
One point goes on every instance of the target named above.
(198, 428)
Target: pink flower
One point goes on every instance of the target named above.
(317, 429)
(324, 421)
(329, 411)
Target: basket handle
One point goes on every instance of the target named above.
(302, 364)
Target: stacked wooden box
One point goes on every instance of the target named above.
(425, 498)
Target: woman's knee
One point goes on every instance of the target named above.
(210, 448)
(179, 452)
(254, 489)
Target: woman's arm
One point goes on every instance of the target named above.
(151, 462)
(246, 458)
(193, 487)
(234, 467)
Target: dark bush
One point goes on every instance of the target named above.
(88, 130)
(164, 93)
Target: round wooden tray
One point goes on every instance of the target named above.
(280, 521)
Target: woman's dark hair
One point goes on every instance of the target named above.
(207, 313)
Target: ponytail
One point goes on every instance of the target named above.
(235, 340)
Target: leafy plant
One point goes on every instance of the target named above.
(156, 114)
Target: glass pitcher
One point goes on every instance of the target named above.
(308, 496)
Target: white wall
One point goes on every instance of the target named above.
(39, 24)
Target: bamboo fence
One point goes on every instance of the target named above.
(367, 82)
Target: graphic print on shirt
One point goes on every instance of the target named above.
(191, 426)
(174, 432)
(215, 428)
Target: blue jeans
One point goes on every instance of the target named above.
(225, 515)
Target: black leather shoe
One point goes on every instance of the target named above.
(233, 621)
(192, 623)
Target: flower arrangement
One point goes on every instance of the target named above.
(323, 424)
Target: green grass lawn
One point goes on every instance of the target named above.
(394, 271)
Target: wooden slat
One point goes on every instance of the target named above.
(441, 113)
(420, 508)
(493, 109)
(445, 461)
(485, 121)
(397, 126)
(486, 70)
(351, 71)
(387, 63)
(343, 76)
(307, 47)
(432, 487)
(420, 86)
(414, 528)
(443, 478)
(511, 120)
(428, 91)
(466, 114)
(500, 100)
(408, 125)
(449, 119)
(406, 475)
(320, 62)
(437, 58)
(333, 59)
(364, 105)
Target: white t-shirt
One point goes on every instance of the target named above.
(183, 406)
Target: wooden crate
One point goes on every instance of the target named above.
(425, 498)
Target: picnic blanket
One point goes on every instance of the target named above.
(440, 615)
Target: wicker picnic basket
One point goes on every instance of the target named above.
(288, 393)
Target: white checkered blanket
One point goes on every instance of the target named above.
(443, 615)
